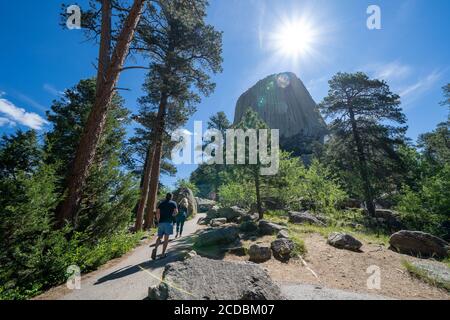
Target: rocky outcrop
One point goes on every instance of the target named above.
(344, 241)
(284, 103)
(218, 222)
(282, 249)
(283, 234)
(259, 252)
(419, 243)
(268, 228)
(438, 273)
(304, 217)
(217, 236)
(389, 219)
(200, 278)
(189, 195)
(248, 226)
(203, 205)
(232, 214)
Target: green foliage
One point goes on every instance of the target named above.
(367, 128)
(239, 193)
(110, 194)
(186, 184)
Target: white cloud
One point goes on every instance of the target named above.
(19, 115)
(52, 90)
(391, 71)
(421, 85)
(6, 122)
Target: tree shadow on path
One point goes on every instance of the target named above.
(175, 252)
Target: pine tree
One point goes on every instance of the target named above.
(108, 197)
(363, 113)
(182, 48)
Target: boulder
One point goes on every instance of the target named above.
(237, 251)
(283, 234)
(419, 243)
(250, 217)
(203, 221)
(282, 249)
(304, 217)
(200, 278)
(218, 222)
(248, 226)
(389, 218)
(203, 205)
(232, 214)
(268, 228)
(213, 212)
(189, 195)
(344, 241)
(438, 273)
(259, 252)
(217, 236)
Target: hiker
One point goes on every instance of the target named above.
(181, 216)
(165, 215)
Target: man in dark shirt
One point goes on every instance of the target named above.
(165, 214)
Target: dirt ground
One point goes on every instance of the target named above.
(347, 270)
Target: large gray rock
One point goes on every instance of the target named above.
(269, 228)
(389, 218)
(200, 278)
(217, 236)
(438, 273)
(282, 249)
(189, 195)
(283, 234)
(419, 243)
(203, 205)
(344, 241)
(232, 214)
(304, 217)
(218, 222)
(284, 103)
(213, 212)
(259, 252)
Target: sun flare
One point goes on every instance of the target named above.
(295, 38)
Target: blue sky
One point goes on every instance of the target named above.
(38, 59)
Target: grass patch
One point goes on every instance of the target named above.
(296, 231)
(424, 276)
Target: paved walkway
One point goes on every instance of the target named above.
(129, 277)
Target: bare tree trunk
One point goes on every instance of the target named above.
(368, 194)
(96, 121)
(148, 172)
(156, 163)
(144, 190)
(154, 183)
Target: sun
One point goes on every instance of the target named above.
(294, 38)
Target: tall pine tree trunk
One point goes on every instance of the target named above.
(362, 164)
(154, 183)
(156, 163)
(149, 173)
(144, 190)
(95, 124)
